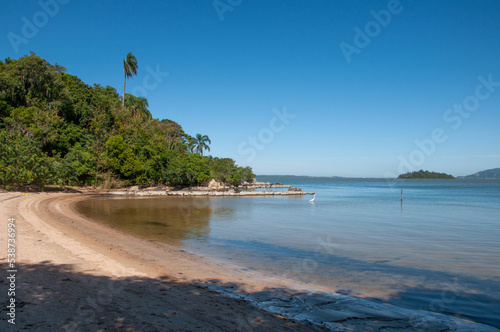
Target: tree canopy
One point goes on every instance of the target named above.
(425, 175)
(55, 129)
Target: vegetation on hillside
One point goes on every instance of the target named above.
(489, 174)
(55, 129)
(425, 175)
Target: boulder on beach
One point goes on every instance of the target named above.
(214, 184)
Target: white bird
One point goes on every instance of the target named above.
(312, 200)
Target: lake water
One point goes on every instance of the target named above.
(439, 250)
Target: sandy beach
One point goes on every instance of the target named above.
(77, 275)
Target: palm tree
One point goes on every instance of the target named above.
(190, 142)
(130, 69)
(201, 143)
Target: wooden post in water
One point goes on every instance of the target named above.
(401, 196)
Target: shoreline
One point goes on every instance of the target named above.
(216, 189)
(55, 239)
(207, 193)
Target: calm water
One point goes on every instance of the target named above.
(438, 251)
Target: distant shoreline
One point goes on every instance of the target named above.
(489, 174)
(334, 178)
(228, 191)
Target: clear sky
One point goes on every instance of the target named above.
(311, 87)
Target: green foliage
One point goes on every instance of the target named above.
(138, 106)
(225, 170)
(32, 81)
(52, 131)
(200, 142)
(23, 162)
(120, 158)
(77, 167)
(55, 129)
(187, 169)
(130, 65)
(425, 175)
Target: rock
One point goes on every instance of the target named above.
(213, 184)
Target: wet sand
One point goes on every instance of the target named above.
(77, 275)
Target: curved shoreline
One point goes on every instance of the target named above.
(94, 249)
(209, 193)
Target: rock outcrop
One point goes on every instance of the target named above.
(215, 188)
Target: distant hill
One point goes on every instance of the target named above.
(425, 175)
(489, 174)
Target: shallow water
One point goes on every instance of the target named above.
(437, 251)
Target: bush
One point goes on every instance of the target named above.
(23, 162)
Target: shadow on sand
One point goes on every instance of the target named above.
(55, 297)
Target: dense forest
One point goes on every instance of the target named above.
(57, 130)
(425, 175)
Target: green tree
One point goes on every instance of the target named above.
(187, 169)
(121, 159)
(190, 143)
(138, 106)
(32, 81)
(55, 134)
(57, 130)
(226, 171)
(77, 167)
(425, 175)
(130, 67)
(23, 162)
(201, 143)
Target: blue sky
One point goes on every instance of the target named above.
(312, 87)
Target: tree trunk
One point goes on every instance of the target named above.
(124, 84)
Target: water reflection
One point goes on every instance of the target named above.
(168, 220)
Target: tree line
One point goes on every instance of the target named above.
(425, 175)
(57, 130)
